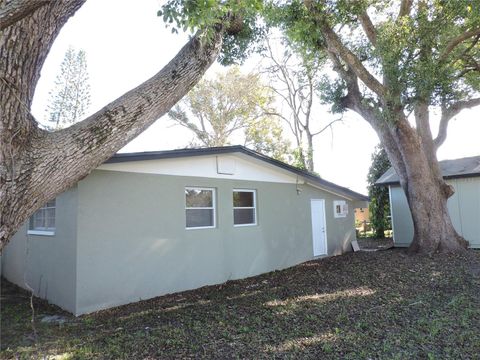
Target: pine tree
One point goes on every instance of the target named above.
(70, 97)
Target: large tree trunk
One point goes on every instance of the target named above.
(413, 157)
(35, 165)
(411, 152)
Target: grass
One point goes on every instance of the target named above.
(377, 305)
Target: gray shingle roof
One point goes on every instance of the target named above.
(451, 169)
(168, 154)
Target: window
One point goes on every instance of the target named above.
(340, 208)
(42, 222)
(244, 207)
(199, 208)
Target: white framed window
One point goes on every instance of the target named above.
(244, 207)
(340, 208)
(42, 222)
(199, 208)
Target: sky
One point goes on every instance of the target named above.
(126, 43)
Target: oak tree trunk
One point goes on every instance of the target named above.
(412, 153)
(413, 157)
(36, 165)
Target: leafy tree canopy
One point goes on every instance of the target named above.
(420, 54)
(232, 108)
(239, 16)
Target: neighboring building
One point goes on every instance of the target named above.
(362, 219)
(148, 224)
(362, 215)
(464, 206)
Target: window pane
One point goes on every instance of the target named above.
(50, 218)
(44, 218)
(198, 198)
(243, 216)
(39, 219)
(199, 217)
(243, 199)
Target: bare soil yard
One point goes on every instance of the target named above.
(378, 305)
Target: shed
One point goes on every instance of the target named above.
(148, 224)
(464, 206)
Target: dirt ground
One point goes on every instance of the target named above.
(367, 305)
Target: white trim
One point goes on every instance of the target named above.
(245, 225)
(391, 212)
(214, 207)
(328, 190)
(41, 232)
(201, 227)
(205, 166)
(247, 207)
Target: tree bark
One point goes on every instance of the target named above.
(412, 155)
(427, 193)
(310, 164)
(36, 165)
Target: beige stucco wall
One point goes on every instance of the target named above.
(132, 242)
(47, 264)
(463, 207)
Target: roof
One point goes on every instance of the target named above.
(169, 154)
(451, 169)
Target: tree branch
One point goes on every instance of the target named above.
(368, 28)
(79, 149)
(453, 43)
(405, 8)
(336, 46)
(448, 114)
(15, 10)
(326, 127)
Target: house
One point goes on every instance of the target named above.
(464, 206)
(147, 224)
(362, 215)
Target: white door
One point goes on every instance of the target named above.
(318, 227)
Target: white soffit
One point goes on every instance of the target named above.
(232, 166)
(328, 190)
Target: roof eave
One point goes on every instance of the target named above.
(326, 185)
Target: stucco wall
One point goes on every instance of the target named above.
(132, 241)
(47, 263)
(463, 207)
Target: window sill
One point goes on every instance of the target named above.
(244, 225)
(41, 232)
(200, 227)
